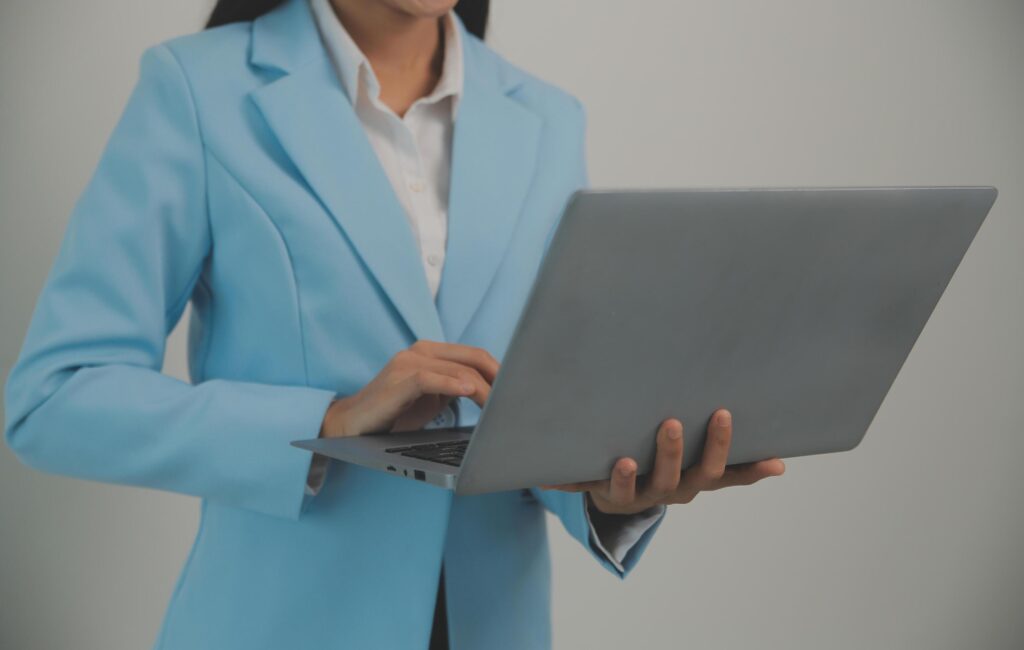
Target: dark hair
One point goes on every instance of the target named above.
(472, 12)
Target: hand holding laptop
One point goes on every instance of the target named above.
(667, 484)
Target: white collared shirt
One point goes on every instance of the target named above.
(415, 152)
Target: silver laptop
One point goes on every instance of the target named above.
(794, 308)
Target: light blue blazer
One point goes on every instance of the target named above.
(239, 179)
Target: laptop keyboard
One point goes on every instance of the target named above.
(448, 452)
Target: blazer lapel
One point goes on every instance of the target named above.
(316, 125)
(494, 151)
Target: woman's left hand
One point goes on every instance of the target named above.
(667, 483)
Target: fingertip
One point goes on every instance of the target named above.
(723, 417)
(672, 429)
(625, 467)
(771, 467)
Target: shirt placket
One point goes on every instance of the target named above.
(415, 184)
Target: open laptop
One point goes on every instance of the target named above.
(794, 308)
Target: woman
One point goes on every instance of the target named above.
(355, 196)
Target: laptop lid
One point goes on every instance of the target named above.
(794, 308)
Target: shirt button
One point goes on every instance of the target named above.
(417, 185)
(433, 259)
(446, 418)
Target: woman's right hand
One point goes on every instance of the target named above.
(414, 386)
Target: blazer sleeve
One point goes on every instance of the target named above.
(571, 507)
(86, 397)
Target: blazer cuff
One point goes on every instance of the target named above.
(615, 536)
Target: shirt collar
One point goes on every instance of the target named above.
(357, 75)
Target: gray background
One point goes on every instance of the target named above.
(914, 540)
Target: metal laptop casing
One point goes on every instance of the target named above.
(794, 308)
(371, 451)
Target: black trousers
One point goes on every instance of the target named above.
(439, 632)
